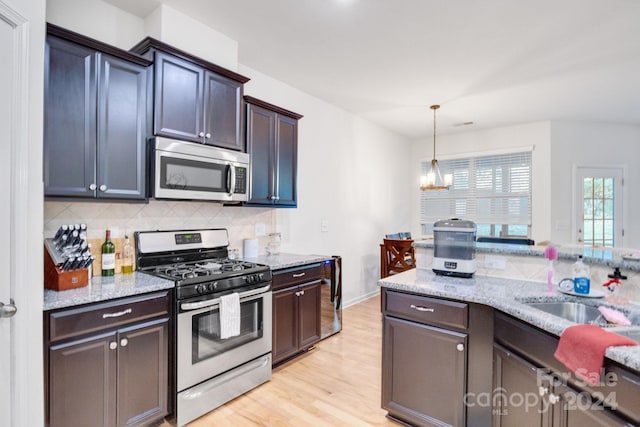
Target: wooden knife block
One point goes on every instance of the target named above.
(59, 280)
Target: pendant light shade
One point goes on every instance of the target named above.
(434, 179)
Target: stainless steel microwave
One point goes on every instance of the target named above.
(191, 171)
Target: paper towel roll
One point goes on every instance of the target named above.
(250, 248)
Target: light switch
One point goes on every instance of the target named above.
(324, 226)
(260, 229)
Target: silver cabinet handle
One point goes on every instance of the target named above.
(124, 342)
(554, 398)
(207, 135)
(8, 310)
(460, 347)
(103, 187)
(201, 134)
(92, 187)
(113, 345)
(301, 293)
(420, 308)
(543, 390)
(118, 314)
(299, 275)
(297, 294)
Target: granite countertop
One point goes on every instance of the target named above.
(123, 285)
(105, 288)
(282, 260)
(623, 258)
(508, 296)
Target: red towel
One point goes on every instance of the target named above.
(581, 349)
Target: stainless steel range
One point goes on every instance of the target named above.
(211, 368)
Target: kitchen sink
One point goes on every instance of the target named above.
(575, 312)
(578, 312)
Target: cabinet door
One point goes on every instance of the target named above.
(309, 314)
(261, 147)
(286, 160)
(223, 124)
(517, 392)
(178, 105)
(82, 382)
(143, 372)
(122, 129)
(576, 409)
(285, 324)
(423, 373)
(69, 119)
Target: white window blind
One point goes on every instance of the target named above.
(488, 189)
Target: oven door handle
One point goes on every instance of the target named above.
(190, 306)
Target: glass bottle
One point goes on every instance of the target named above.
(108, 251)
(127, 256)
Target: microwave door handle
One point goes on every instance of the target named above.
(232, 179)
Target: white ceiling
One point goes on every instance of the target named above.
(492, 62)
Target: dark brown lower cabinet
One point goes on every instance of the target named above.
(296, 324)
(436, 360)
(531, 388)
(516, 393)
(117, 376)
(424, 373)
(296, 310)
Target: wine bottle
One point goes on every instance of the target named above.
(127, 256)
(108, 255)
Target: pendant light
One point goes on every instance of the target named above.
(434, 180)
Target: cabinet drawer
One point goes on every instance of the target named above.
(427, 310)
(101, 316)
(296, 275)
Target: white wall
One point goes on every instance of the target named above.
(590, 144)
(537, 135)
(98, 20)
(351, 173)
(169, 25)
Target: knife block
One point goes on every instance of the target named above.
(59, 280)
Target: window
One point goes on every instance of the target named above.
(494, 191)
(598, 206)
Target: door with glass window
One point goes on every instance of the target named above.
(598, 206)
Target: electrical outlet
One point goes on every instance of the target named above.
(495, 262)
(260, 229)
(324, 226)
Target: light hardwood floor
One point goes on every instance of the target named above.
(336, 384)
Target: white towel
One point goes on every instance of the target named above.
(229, 315)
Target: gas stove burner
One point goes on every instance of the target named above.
(210, 266)
(217, 267)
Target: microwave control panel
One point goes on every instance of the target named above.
(241, 180)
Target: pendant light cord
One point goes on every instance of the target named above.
(434, 108)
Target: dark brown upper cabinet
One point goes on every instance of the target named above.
(272, 142)
(95, 118)
(195, 100)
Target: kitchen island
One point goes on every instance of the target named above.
(509, 296)
(429, 326)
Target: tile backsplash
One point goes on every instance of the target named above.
(125, 218)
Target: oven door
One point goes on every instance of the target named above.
(202, 354)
